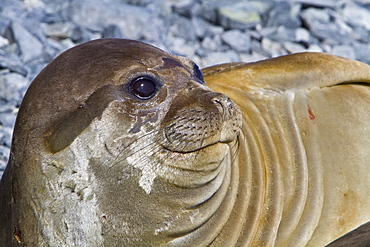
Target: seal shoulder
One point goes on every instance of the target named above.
(295, 71)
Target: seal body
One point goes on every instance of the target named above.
(305, 124)
(118, 143)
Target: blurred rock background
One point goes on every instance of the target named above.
(33, 32)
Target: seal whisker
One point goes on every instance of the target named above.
(137, 149)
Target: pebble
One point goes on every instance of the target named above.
(237, 40)
(34, 32)
(356, 15)
(29, 46)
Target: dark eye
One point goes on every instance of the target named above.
(143, 87)
(198, 73)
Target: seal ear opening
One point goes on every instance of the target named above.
(68, 128)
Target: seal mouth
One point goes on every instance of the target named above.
(196, 149)
(184, 143)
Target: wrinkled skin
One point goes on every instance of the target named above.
(281, 160)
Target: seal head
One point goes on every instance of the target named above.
(124, 143)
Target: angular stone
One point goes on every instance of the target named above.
(248, 58)
(314, 15)
(13, 64)
(112, 31)
(182, 27)
(3, 41)
(293, 47)
(282, 34)
(29, 45)
(180, 46)
(155, 31)
(131, 19)
(219, 57)
(315, 48)
(302, 35)
(5, 28)
(319, 24)
(12, 87)
(184, 7)
(285, 14)
(7, 120)
(273, 48)
(212, 44)
(237, 40)
(321, 3)
(199, 26)
(356, 15)
(81, 35)
(362, 51)
(344, 51)
(58, 30)
(242, 15)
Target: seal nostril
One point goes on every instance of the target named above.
(222, 100)
(217, 101)
(220, 104)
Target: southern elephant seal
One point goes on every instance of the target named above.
(118, 143)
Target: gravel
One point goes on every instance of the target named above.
(33, 32)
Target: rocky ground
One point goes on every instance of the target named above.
(33, 32)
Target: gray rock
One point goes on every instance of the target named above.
(344, 51)
(12, 87)
(315, 48)
(356, 15)
(7, 119)
(81, 34)
(12, 63)
(302, 35)
(362, 51)
(3, 41)
(182, 27)
(182, 47)
(361, 34)
(320, 25)
(199, 27)
(312, 16)
(59, 30)
(29, 46)
(4, 154)
(112, 31)
(320, 3)
(237, 40)
(242, 15)
(285, 14)
(248, 58)
(219, 57)
(273, 48)
(282, 34)
(185, 7)
(212, 44)
(364, 2)
(155, 32)
(5, 29)
(292, 47)
(130, 19)
(13, 10)
(212, 30)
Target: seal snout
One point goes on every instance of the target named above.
(225, 106)
(214, 118)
